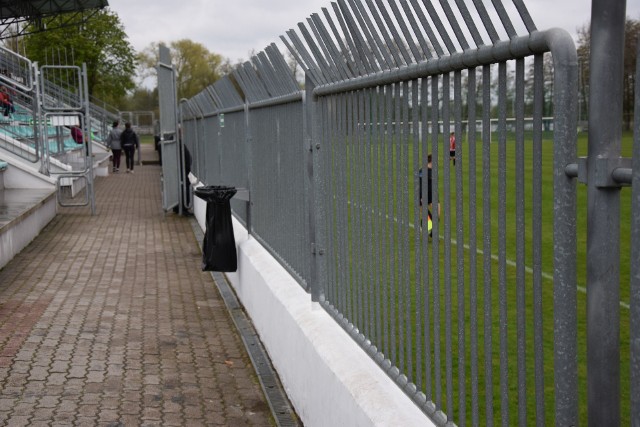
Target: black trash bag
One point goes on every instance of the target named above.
(219, 245)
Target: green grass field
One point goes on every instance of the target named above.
(394, 282)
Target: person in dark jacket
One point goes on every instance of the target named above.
(129, 142)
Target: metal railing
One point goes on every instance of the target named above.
(465, 294)
(24, 135)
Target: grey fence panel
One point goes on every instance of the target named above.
(212, 149)
(409, 310)
(279, 205)
(234, 162)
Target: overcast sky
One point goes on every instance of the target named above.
(234, 28)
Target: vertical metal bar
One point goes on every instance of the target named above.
(473, 246)
(634, 303)
(334, 142)
(360, 201)
(84, 93)
(392, 94)
(332, 200)
(486, 245)
(388, 166)
(521, 303)
(446, 130)
(320, 188)
(341, 101)
(603, 215)
(309, 150)
(502, 240)
(351, 183)
(425, 239)
(564, 230)
(462, 379)
(435, 132)
(377, 212)
(369, 214)
(536, 213)
(416, 196)
(405, 256)
(398, 215)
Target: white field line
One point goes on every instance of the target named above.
(512, 263)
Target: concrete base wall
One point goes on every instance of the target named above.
(329, 379)
(15, 236)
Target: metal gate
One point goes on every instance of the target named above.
(169, 133)
(64, 103)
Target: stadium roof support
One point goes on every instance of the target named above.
(22, 17)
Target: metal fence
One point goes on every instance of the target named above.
(459, 275)
(256, 143)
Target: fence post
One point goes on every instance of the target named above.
(603, 215)
(317, 268)
(634, 318)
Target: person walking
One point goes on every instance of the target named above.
(452, 147)
(129, 141)
(113, 143)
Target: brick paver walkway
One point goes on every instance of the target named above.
(107, 320)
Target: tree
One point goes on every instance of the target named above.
(100, 42)
(140, 99)
(632, 32)
(196, 67)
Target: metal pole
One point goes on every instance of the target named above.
(88, 139)
(603, 216)
(634, 317)
(315, 214)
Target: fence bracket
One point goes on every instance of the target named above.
(609, 172)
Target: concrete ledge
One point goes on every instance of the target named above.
(22, 221)
(329, 379)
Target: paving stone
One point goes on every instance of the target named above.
(113, 323)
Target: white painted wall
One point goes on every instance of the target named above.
(17, 235)
(329, 379)
(21, 175)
